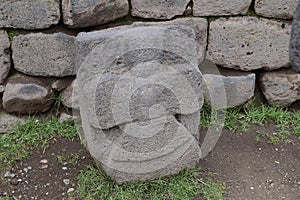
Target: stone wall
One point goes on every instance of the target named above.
(246, 41)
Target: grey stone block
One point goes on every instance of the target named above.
(249, 43)
(47, 55)
(199, 25)
(29, 14)
(220, 8)
(223, 88)
(4, 56)
(281, 88)
(276, 8)
(82, 13)
(70, 96)
(295, 41)
(158, 9)
(8, 122)
(27, 95)
(140, 94)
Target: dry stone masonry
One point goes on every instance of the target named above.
(136, 80)
(249, 43)
(40, 54)
(4, 56)
(82, 13)
(283, 9)
(140, 100)
(29, 14)
(158, 9)
(220, 8)
(281, 88)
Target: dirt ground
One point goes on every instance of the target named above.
(250, 170)
(255, 171)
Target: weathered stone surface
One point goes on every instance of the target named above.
(158, 9)
(220, 8)
(238, 89)
(63, 117)
(8, 122)
(226, 89)
(136, 156)
(127, 69)
(249, 43)
(70, 96)
(29, 14)
(276, 8)
(2, 88)
(4, 56)
(84, 13)
(62, 83)
(295, 41)
(140, 96)
(199, 25)
(27, 95)
(40, 54)
(281, 88)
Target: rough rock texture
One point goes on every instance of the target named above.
(220, 7)
(29, 14)
(249, 43)
(62, 83)
(4, 56)
(70, 96)
(276, 8)
(295, 41)
(140, 99)
(82, 13)
(27, 95)
(224, 88)
(158, 9)
(40, 54)
(199, 25)
(8, 122)
(238, 89)
(281, 88)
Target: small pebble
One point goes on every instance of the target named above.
(44, 166)
(277, 162)
(64, 168)
(8, 174)
(14, 181)
(30, 168)
(251, 188)
(66, 181)
(70, 190)
(44, 161)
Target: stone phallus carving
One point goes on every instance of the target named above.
(140, 94)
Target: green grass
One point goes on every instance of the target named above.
(73, 158)
(240, 119)
(95, 184)
(11, 33)
(33, 133)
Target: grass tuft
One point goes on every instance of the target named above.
(95, 184)
(33, 133)
(240, 119)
